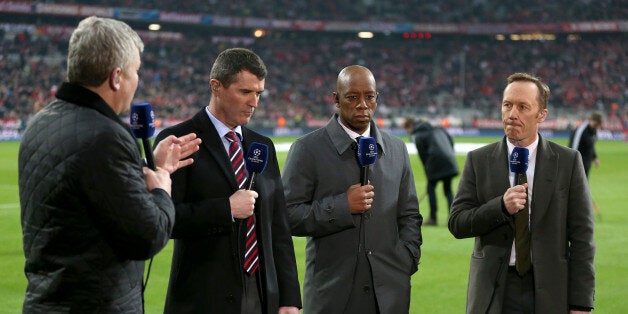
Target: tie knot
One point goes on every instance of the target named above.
(231, 137)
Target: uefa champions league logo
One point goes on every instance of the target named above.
(515, 160)
(255, 156)
(134, 121)
(515, 157)
(152, 119)
(372, 152)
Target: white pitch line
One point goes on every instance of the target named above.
(460, 148)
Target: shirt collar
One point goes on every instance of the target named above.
(352, 133)
(221, 127)
(531, 149)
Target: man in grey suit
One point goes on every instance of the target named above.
(558, 224)
(363, 241)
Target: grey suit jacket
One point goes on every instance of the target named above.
(319, 169)
(561, 224)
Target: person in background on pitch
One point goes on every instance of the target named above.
(583, 140)
(215, 268)
(91, 214)
(550, 269)
(436, 150)
(363, 241)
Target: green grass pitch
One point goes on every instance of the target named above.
(440, 284)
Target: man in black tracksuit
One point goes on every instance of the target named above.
(583, 140)
(436, 150)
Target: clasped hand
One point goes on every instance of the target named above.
(515, 198)
(242, 203)
(360, 198)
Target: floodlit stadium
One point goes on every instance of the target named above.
(441, 61)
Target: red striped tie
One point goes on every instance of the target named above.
(251, 259)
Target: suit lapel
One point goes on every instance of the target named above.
(498, 163)
(213, 143)
(339, 138)
(248, 137)
(342, 142)
(545, 173)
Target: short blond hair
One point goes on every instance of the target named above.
(544, 90)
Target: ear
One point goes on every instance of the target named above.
(541, 115)
(336, 99)
(214, 84)
(114, 79)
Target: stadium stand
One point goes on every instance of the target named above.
(431, 11)
(448, 77)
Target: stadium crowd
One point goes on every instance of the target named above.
(436, 77)
(433, 77)
(432, 11)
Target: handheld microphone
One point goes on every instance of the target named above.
(143, 126)
(255, 160)
(367, 155)
(519, 163)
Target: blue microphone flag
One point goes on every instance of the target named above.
(367, 151)
(142, 120)
(519, 160)
(143, 127)
(256, 158)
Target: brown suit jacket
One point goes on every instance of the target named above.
(562, 244)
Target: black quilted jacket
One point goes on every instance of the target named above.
(88, 221)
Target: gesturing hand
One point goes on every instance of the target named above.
(171, 152)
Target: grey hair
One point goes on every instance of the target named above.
(97, 47)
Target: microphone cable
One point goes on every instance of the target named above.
(145, 283)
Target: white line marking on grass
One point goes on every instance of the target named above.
(460, 148)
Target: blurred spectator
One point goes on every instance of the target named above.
(436, 151)
(583, 140)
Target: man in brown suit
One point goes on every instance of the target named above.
(561, 276)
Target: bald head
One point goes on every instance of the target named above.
(353, 73)
(356, 97)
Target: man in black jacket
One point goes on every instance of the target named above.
(436, 150)
(211, 270)
(583, 140)
(91, 214)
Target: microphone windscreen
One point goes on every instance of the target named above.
(519, 160)
(256, 158)
(367, 151)
(142, 120)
